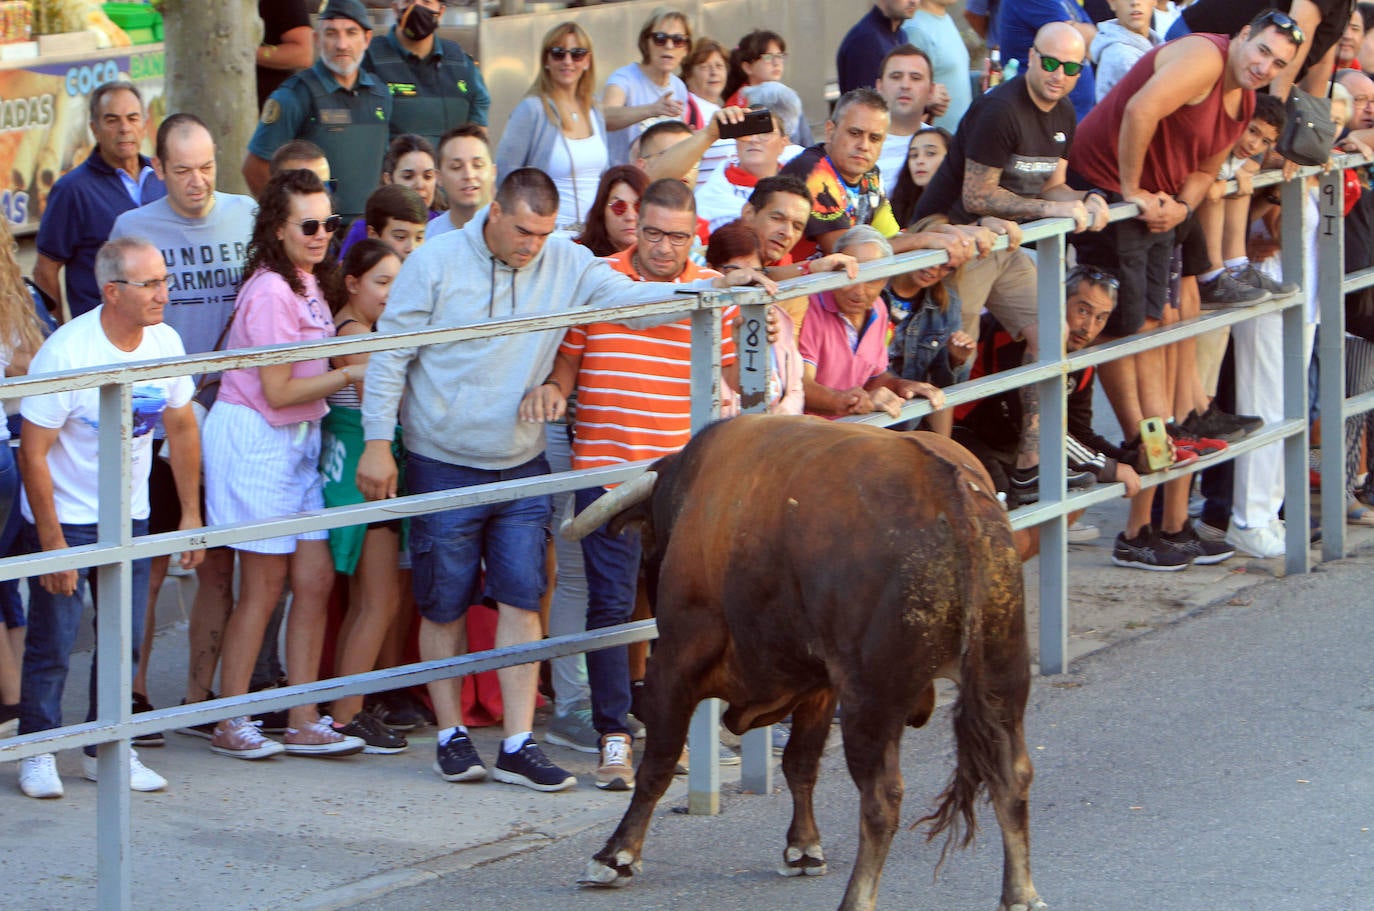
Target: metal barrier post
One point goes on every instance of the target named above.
(755, 367)
(1296, 508)
(1331, 361)
(114, 634)
(703, 776)
(1054, 552)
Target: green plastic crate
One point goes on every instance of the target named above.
(141, 22)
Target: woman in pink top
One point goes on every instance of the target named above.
(262, 452)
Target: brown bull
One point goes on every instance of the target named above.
(796, 562)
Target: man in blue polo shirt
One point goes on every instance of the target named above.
(336, 104)
(859, 58)
(434, 84)
(86, 200)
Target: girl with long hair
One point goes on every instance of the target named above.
(925, 152)
(614, 214)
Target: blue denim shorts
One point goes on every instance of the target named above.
(450, 550)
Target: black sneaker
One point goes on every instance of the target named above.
(457, 760)
(1225, 291)
(1203, 552)
(1257, 279)
(400, 711)
(1219, 425)
(205, 731)
(1025, 483)
(378, 738)
(530, 767)
(1148, 551)
(153, 738)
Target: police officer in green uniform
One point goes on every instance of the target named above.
(434, 84)
(335, 104)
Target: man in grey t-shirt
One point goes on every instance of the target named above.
(203, 238)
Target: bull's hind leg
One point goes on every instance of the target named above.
(1011, 801)
(801, 762)
(872, 749)
(669, 696)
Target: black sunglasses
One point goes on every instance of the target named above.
(577, 53)
(1050, 64)
(663, 39)
(1094, 275)
(1280, 21)
(310, 226)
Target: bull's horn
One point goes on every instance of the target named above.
(608, 505)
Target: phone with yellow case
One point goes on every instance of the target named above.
(1154, 440)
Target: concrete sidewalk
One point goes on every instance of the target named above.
(329, 833)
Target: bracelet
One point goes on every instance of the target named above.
(1186, 206)
(554, 383)
(1100, 194)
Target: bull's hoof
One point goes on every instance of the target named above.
(798, 862)
(605, 876)
(1034, 904)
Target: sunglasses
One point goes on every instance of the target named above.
(620, 207)
(663, 39)
(1094, 275)
(310, 226)
(1280, 21)
(577, 53)
(1050, 64)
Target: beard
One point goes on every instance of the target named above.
(345, 70)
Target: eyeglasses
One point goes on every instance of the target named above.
(577, 53)
(663, 39)
(773, 58)
(310, 226)
(154, 283)
(1280, 21)
(1094, 275)
(621, 206)
(655, 235)
(1050, 64)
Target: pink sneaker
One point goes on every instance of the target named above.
(320, 738)
(240, 738)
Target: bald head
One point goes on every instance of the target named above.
(1361, 89)
(1057, 49)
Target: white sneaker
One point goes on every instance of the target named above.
(1257, 542)
(141, 778)
(1083, 532)
(38, 776)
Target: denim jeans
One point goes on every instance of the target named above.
(53, 623)
(612, 566)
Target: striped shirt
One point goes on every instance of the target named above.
(634, 389)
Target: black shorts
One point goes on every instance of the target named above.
(1193, 244)
(164, 504)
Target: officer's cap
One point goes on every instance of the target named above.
(347, 9)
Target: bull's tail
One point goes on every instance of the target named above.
(982, 732)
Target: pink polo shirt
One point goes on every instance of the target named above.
(843, 357)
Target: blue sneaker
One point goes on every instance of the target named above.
(457, 760)
(529, 766)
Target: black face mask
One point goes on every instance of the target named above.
(419, 22)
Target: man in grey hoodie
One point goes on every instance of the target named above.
(460, 414)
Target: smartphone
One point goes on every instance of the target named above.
(1154, 439)
(754, 122)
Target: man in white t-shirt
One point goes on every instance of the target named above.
(907, 85)
(59, 460)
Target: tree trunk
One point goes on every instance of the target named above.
(210, 48)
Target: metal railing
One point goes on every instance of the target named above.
(115, 548)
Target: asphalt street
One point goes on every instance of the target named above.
(1221, 762)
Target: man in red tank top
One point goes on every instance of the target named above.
(1158, 140)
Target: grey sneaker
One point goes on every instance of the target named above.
(574, 731)
(1226, 291)
(1257, 279)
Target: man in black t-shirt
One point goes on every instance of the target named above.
(1009, 161)
(287, 43)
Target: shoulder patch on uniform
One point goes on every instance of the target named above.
(271, 111)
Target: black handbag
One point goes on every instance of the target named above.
(1308, 130)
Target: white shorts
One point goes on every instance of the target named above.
(254, 471)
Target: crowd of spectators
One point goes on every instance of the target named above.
(380, 204)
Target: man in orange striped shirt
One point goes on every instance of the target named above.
(634, 401)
